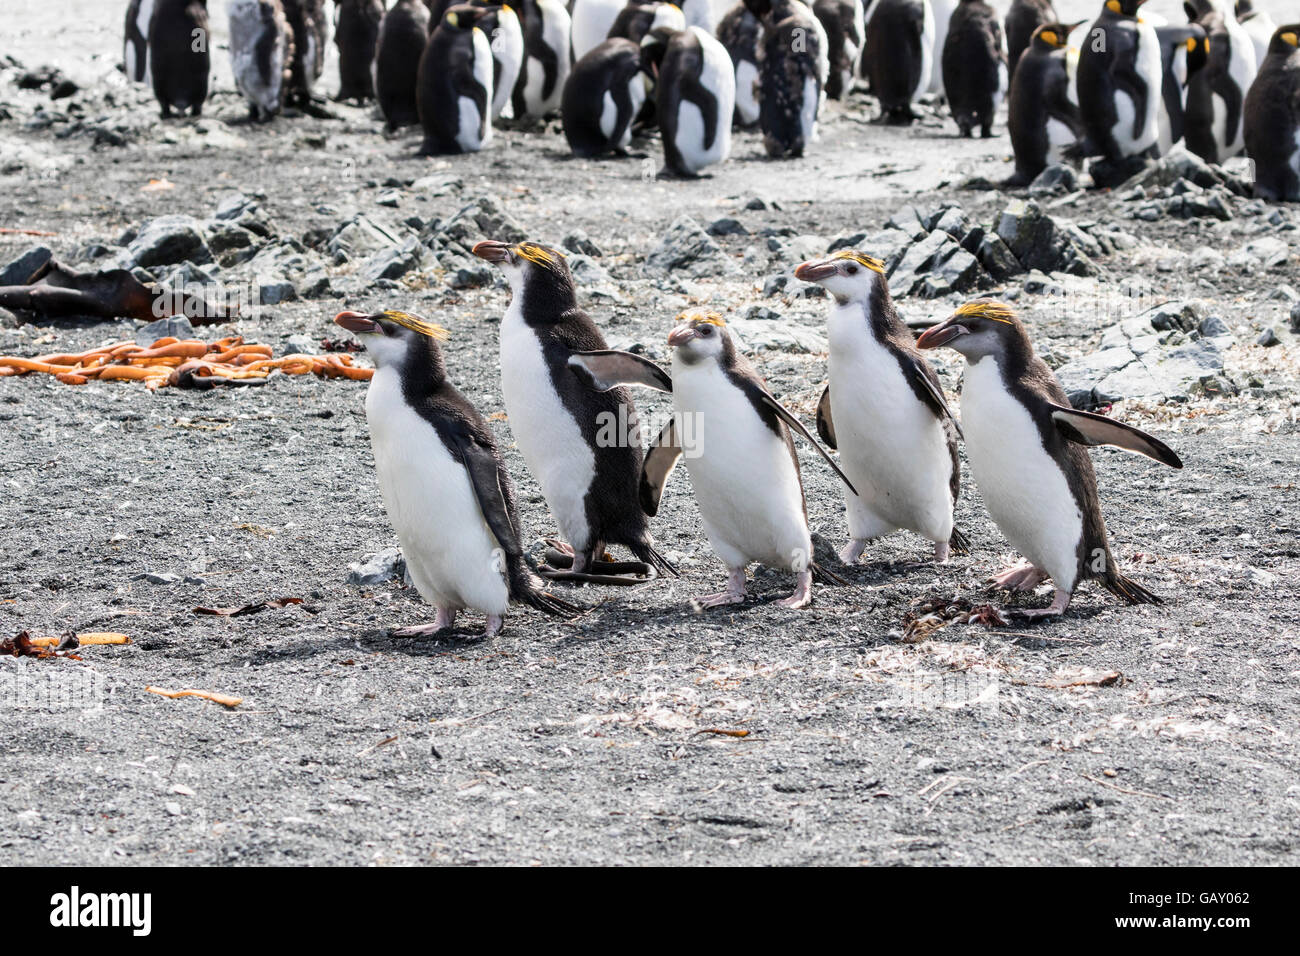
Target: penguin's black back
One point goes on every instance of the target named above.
(972, 64)
(179, 64)
(1111, 48)
(837, 19)
(606, 68)
(1272, 118)
(447, 74)
(1039, 92)
(1024, 17)
(533, 25)
(307, 20)
(356, 35)
(1215, 78)
(402, 38)
(785, 65)
(893, 55)
(738, 32)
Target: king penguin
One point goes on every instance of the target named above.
(793, 67)
(1023, 18)
(1217, 93)
(1183, 50)
(591, 22)
(178, 61)
(578, 442)
(842, 22)
(1119, 83)
(603, 95)
(642, 17)
(1027, 451)
(1273, 119)
(356, 32)
(1043, 121)
(885, 411)
(735, 440)
(402, 37)
(454, 94)
(136, 46)
(899, 55)
(1258, 25)
(261, 47)
(310, 35)
(738, 32)
(546, 27)
(695, 97)
(974, 67)
(500, 23)
(444, 485)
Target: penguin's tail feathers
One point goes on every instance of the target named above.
(826, 576)
(1128, 589)
(528, 588)
(958, 542)
(647, 553)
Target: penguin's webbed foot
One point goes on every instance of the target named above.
(494, 624)
(850, 553)
(802, 595)
(942, 551)
(734, 594)
(1022, 577)
(1055, 609)
(446, 618)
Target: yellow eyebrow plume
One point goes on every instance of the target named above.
(870, 262)
(416, 324)
(708, 318)
(538, 254)
(994, 311)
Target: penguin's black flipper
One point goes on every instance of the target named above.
(920, 372)
(1088, 428)
(794, 423)
(488, 482)
(659, 463)
(608, 368)
(825, 424)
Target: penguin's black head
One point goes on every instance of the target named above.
(1285, 39)
(700, 337)
(1124, 8)
(1051, 36)
(979, 328)
(653, 47)
(849, 276)
(539, 277)
(464, 16)
(393, 338)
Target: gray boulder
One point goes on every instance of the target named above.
(687, 248)
(168, 240)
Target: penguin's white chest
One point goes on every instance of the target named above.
(544, 428)
(1150, 70)
(452, 555)
(892, 447)
(749, 495)
(475, 128)
(1023, 487)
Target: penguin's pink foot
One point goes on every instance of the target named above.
(735, 593)
(1055, 609)
(942, 550)
(850, 553)
(446, 618)
(802, 595)
(494, 624)
(1023, 577)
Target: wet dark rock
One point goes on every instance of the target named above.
(1056, 180)
(579, 243)
(20, 270)
(176, 326)
(1038, 241)
(727, 227)
(167, 240)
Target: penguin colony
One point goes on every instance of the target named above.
(1124, 88)
(570, 404)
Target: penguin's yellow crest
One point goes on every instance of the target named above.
(537, 254)
(994, 311)
(708, 318)
(416, 324)
(869, 262)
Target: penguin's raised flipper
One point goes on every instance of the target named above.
(1088, 428)
(485, 477)
(825, 425)
(916, 368)
(609, 368)
(659, 463)
(786, 416)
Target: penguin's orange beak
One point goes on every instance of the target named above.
(681, 335)
(490, 250)
(357, 323)
(815, 271)
(942, 334)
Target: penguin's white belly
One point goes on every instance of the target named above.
(475, 128)
(927, 53)
(246, 30)
(811, 101)
(508, 47)
(942, 10)
(1150, 69)
(746, 95)
(1023, 487)
(608, 115)
(545, 430)
(1059, 137)
(749, 496)
(591, 22)
(452, 555)
(892, 447)
(718, 77)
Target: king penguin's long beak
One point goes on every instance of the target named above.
(680, 335)
(357, 323)
(814, 271)
(491, 250)
(941, 334)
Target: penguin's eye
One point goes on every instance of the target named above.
(706, 330)
(852, 270)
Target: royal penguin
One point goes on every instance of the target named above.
(974, 67)
(135, 50)
(899, 55)
(1259, 26)
(1027, 449)
(591, 21)
(1273, 119)
(1217, 93)
(605, 92)
(1023, 18)
(261, 48)
(442, 479)
(738, 32)
(642, 17)
(1183, 50)
(735, 441)
(454, 89)
(356, 33)
(1119, 82)
(580, 443)
(842, 22)
(540, 86)
(695, 96)
(885, 410)
(1043, 122)
(793, 67)
(402, 38)
(310, 34)
(179, 61)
